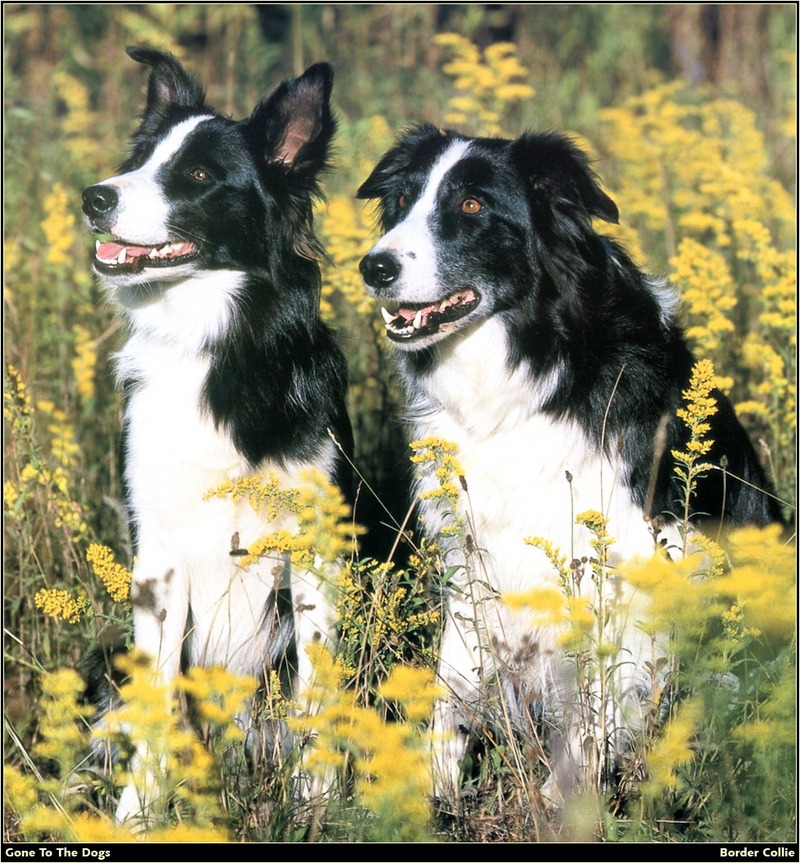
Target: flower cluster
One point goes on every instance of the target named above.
(699, 406)
(45, 479)
(769, 351)
(724, 609)
(309, 522)
(690, 167)
(487, 85)
(390, 760)
(60, 604)
(347, 238)
(64, 605)
(52, 807)
(556, 557)
(384, 617)
(347, 231)
(441, 466)
(84, 363)
(115, 577)
(77, 120)
(17, 408)
(673, 749)
(692, 177)
(177, 766)
(708, 296)
(58, 227)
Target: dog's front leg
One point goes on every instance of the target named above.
(160, 600)
(461, 666)
(314, 622)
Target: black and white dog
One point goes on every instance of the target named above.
(555, 365)
(229, 371)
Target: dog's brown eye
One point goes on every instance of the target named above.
(402, 202)
(199, 175)
(470, 206)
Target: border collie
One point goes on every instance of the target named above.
(538, 348)
(229, 371)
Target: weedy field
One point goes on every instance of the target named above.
(694, 176)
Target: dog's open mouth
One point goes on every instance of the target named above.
(118, 257)
(415, 320)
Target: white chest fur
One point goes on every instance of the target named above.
(174, 456)
(527, 474)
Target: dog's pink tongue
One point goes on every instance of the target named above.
(110, 251)
(410, 314)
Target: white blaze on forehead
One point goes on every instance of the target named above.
(143, 212)
(427, 201)
(413, 241)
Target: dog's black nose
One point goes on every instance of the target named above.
(379, 269)
(99, 200)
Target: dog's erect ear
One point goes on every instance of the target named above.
(294, 125)
(170, 87)
(559, 174)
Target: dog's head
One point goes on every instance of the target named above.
(201, 191)
(470, 223)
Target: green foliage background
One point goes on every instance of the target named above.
(688, 110)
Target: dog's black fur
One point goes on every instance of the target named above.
(573, 304)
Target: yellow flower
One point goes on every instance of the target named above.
(762, 581)
(554, 554)
(58, 226)
(84, 362)
(60, 604)
(672, 750)
(188, 833)
(547, 603)
(707, 292)
(316, 510)
(17, 408)
(220, 696)
(414, 689)
(488, 84)
(19, 790)
(390, 760)
(698, 406)
(62, 720)
(85, 827)
(116, 578)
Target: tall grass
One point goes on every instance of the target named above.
(714, 760)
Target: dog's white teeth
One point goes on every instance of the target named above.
(418, 320)
(387, 316)
(444, 304)
(153, 254)
(97, 245)
(121, 256)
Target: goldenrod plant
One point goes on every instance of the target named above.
(689, 466)
(488, 83)
(691, 173)
(388, 760)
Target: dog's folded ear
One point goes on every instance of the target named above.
(559, 175)
(294, 125)
(171, 87)
(396, 161)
